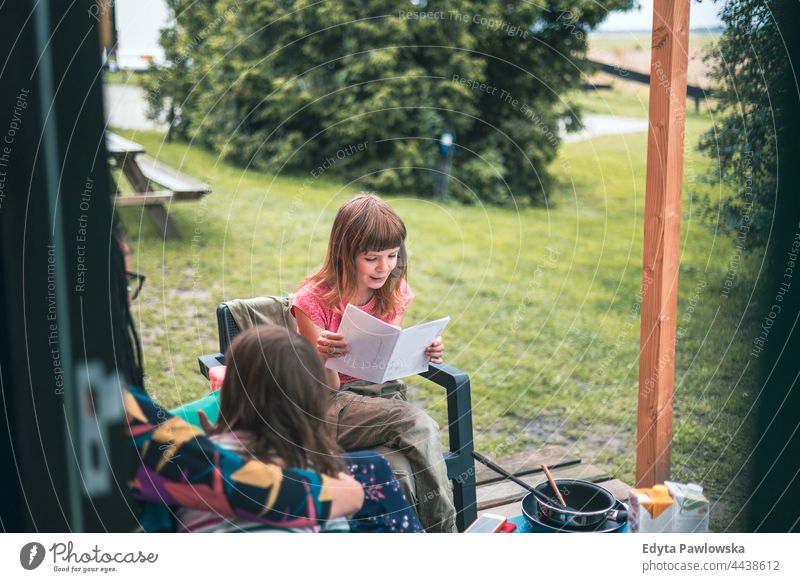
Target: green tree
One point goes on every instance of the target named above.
(750, 69)
(296, 86)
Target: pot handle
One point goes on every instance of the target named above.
(618, 515)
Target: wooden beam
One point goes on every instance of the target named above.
(102, 12)
(662, 212)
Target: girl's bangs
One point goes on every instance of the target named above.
(381, 233)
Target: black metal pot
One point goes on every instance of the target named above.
(588, 504)
(538, 524)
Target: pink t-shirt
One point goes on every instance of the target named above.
(308, 300)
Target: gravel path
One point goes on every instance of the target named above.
(126, 108)
(597, 125)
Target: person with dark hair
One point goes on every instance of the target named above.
(272, 409)
(181, 467)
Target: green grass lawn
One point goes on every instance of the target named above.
(631, 103)
(544, 302)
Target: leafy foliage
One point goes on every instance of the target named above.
(750, 70)
(296, 86)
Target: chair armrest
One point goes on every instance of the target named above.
(460, 463)
(459, 405)
(446, 376)
(209, 361)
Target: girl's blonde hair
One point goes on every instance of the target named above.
(363, 224)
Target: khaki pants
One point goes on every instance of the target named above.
(370, 415)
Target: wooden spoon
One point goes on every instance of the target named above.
(553, 484)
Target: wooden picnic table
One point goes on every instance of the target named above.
(144, 174)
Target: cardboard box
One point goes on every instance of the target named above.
(650, 510)
(691, 509)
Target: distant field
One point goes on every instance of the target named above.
(637, 41)
(632, 51)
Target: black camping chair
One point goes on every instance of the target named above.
(459, 461)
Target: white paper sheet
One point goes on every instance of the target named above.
(380, 351)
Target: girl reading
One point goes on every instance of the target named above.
(366, 266)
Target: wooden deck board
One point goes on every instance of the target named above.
(504, 492)
(503, 497)
(620, 490)
(525, 463)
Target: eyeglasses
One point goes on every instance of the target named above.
(135, 283)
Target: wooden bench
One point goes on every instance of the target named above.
(155, 185)
(496, 495)
(182, 186)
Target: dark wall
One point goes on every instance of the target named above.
(62, 449)
(776, 486)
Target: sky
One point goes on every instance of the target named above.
(701, 15)
(138, 23)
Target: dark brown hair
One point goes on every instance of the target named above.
(363, 224)
(275, 388)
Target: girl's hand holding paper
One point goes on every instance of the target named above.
(331, 344)
(435, 351)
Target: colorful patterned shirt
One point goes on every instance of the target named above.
(205, 521)
(181, 467)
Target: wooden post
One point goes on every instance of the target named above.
(103, 15)
(662, 217)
